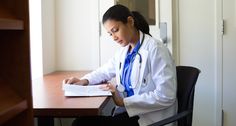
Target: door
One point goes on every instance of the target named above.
(107, 46)
(229, 62)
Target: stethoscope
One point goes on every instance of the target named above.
(120, 87)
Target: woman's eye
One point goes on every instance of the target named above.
(114, 30)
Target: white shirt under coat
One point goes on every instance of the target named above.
(154, 85)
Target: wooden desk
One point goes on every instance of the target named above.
(49, 99)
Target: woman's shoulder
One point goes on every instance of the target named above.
(151, 42)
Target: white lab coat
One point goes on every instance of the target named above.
(154, 84)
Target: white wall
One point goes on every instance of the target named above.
(48, 35)
(77, 44)
(197, 47)
(70, 32)
(35, 39)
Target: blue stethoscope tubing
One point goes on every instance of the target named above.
(120, 87)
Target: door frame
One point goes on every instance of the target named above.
(219, 63)
(218, 54)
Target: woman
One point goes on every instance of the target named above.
(145, 91)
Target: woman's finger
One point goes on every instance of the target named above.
(71, 80)
(64, 81)
(112, 87)
(104, 87)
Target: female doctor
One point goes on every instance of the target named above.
(145, 91)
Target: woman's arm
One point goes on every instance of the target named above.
(102, 74)
(115, 94)
(74, 80)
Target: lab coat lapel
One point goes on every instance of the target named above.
(139, 72)
(120, 65)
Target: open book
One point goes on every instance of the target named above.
(90, 90)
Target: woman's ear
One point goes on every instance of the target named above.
(130, 20)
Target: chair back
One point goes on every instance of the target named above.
(186, 80)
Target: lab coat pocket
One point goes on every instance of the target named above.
(147, 84)
(145, 80)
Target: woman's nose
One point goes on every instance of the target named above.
(114, 37)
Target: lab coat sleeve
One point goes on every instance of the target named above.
(163, 74)
(102, 74)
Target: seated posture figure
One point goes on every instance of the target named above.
(145, 91)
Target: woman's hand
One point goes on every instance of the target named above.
(108, 87)
(115, 94)
(74, 80)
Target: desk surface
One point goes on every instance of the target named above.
(49, 99)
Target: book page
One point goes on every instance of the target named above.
(78, 90)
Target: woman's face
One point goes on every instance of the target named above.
(120, 32)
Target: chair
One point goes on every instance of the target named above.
(186, 80)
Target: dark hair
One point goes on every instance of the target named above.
(121, 13)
